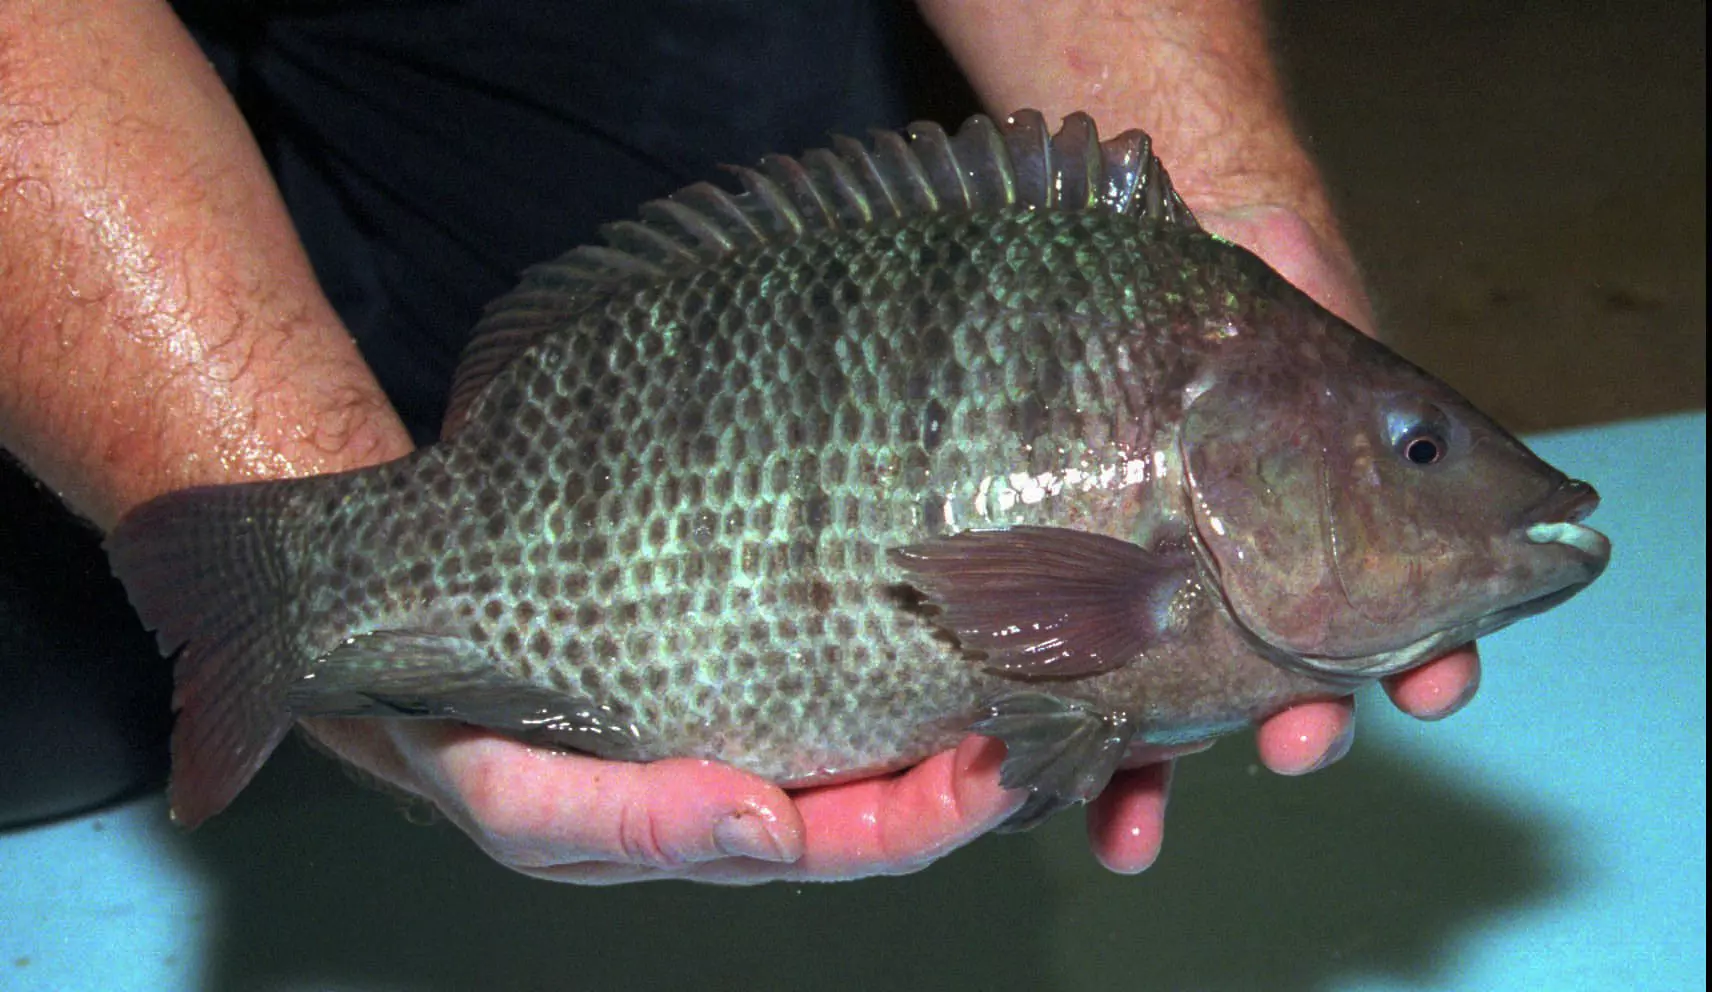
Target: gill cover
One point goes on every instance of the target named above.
(1307, 524)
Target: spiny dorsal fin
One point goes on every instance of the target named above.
(849, 185)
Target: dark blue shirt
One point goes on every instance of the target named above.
(428, 151)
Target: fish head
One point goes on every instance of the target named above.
(1364, 521)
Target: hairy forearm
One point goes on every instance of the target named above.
(1195, 74)
(159, 324)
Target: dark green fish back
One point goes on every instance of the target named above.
(849, 187)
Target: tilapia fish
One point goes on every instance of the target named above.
(905, 440)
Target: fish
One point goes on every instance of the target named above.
(903, 440)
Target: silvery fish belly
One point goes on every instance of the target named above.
(905, 440)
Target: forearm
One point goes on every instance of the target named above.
(159, 324)
(1195, 74)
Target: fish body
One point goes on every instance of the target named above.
(974, 433)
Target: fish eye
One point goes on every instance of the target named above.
(1421, 432)
(1422, 447)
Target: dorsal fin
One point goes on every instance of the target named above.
(849, 185)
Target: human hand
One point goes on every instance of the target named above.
(570, 818)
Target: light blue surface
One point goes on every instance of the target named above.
(1551, 837)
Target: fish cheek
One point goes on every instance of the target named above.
(1388, 552)
(1257, 491)
(1419, 549)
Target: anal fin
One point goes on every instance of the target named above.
(1063, 751)
(414, 674)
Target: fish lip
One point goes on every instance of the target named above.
(1577, 539)
(1570, 503)
(1556, 522)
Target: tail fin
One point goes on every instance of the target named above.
(211, 571)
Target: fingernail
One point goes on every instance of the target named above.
(1456, 703)
(749, 835)
(1340, 746)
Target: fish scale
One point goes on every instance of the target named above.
(759, 603)
(974, 433)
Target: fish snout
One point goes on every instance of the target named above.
(1557, 521)
(1570, 503)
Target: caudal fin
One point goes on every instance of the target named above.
(210, 571)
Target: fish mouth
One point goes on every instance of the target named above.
(1570, 503)
(1557, 521)
(1586, 540)
(1580, 552)
(1577, 553)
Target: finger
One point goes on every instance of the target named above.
(882, 826)
(730, 871)
(1439, 688)
(1308, 737)
(726, 871)
(533, 809)
(899, 824)
(1126, 823)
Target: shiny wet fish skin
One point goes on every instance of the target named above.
(818, 493)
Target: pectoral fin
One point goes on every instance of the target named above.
(1047, 602)
(1063, 751)
(401, 673)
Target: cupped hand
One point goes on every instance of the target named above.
(570, 818)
